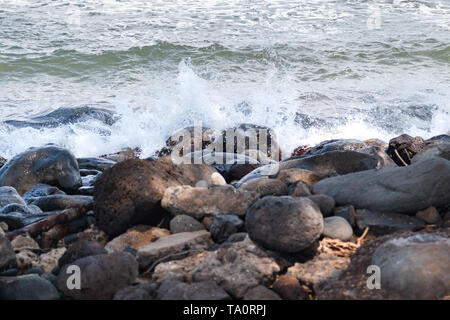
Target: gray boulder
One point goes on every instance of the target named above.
(40, 190)
(81, 249)
(30, 287)
(336, 145)
(224, 226)
(266, 187)
(402, 190)
(324, 202)
(99, 164)
(9, 195)
(50, 164)
(383, 223)
(434, 148)
(284, 223)
(337, 228)
(185, 223)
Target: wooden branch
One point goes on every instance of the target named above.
(60, 218)
(400, 158)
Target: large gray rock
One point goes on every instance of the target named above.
(101, 276)
(30, 287)
(205, 290)
(284, 223)
(173, 244)
(7, 255)
(129, 193)
(381, 223)
(215, 200)
(337, 228)
(50, 164)
(9, 195)
(185, 223)
(434, 148)
(401, 190)
(415, 267)
(40, 190)
(19, 215)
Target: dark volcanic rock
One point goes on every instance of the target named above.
(300, 189)
(406, 147)
(382, 223)
(40, 190)
(261, 293)
(347, 212)
(284, 223)
(99, 164)
(18, 215)
(224, 226)
(50, 164)
(435, 147)
(289, 288)
(61, 202)
(403, 189)
(7, 255)
(205, 290)
(80, 249)
(128, 193)
(143, 291)
(185, 223)
(101, 276)
(336, 145)
(324, 202)
(30, 287)
(9, 195)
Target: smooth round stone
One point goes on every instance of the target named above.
(337, 228)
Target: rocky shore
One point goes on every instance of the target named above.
(150, 229)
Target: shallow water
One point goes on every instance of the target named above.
(311, 70)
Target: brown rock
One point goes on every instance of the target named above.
(289, 288)
(136, 238)
(261, 293)
(430, 215)
(294, 175)
(266, 186)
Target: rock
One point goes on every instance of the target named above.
(239, 170)
(50, 164)
(9, 195)
(323, 165)
(30, 287)
(402, 190)
(237, 268)
(25, 259)
(178, 270)
(18, 215)
(347, 212)
(214, 200)
(336, 145)
(80, 249)
(337, 228)
(323, 267)
(381, 223)
(7, 255)
(284, 223)
(61, 202)
(4, 226)
(205, 290)
(23, 242)
(324, 202)
(429, 215)
(2, 161)
(376, 142)
(124, 154)
(185, 223)
(217, 179)
(93, 234)
(405, 264)
(406, 147)
(27, 210)
(40, 190)
(300, 190)
(143, 291)
(236, 237)
(48, 261)
(435, 147)
(289, 288)
(294, 175)
(35, 270)
(224, 226)
(100, 164)
(384, 160)
(412, 266)
(266, 187)
(123, 197)
(172, 244)
(101, 276)
(261, 293)
(136, 237)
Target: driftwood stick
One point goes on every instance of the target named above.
(46, 224)
(400, 158)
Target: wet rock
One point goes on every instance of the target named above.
(381, 223)
(23, 242)
(384, 160)
(205, 290)
(7, 255)
(435, 147)
(224, 226)
(429, 215)
(402, 148)
(289, 288)
(9, 195)
(101, 276)
(347, 212)
(266, 187)
(142, 291)
(284, 223)
(323, 267)
(172, 244)
(61, 202)
(324, 202)
(402, 190)
(100, 164)
(128, 193)
(261, 293)
(30, 287)
(214, 200)
(300, 189)
(136, 237)
(336, 145)
(185, 223)
(294, 175)
(40, 190)
(237, 268)
(337, 228)
(80, 249)
(18, 215)
(124, 154)
(27, 210)
(50, 164)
